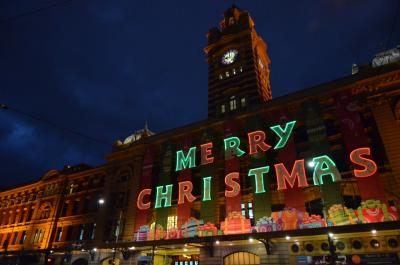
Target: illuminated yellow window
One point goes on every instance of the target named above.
(172, 222)
(242, 258)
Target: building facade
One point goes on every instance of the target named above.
(309, 178)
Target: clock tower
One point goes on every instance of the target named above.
(238, 65)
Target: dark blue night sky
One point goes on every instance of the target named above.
(103, 68)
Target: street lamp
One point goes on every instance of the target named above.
(101, 201)
(332, 249)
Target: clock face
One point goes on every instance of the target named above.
(229, 57)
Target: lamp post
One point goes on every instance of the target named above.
(117, 232)
(101, 201)
(332, 249)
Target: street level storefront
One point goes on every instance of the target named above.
(369, 244)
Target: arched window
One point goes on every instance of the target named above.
(110, 260)
(81, 261)
(242, 258)
(45, 209)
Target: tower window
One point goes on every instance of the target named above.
(243, 102)
(220, 77)
(223, 108)
(232, 103)
(227, 74)
(234, 71)
(240, 69)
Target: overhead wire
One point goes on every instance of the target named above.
(50, 123)
(53, 124)
(33, 11)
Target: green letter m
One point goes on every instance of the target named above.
(183, 162)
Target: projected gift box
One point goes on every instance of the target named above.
(312, 221)
(341, 215)
(173, 233)
(191, 227)
(235, 223)
(208, 229)
(393, 213)
(289, 218)
(143, 233)
(157, 233)
(372, 211)
(266, 224)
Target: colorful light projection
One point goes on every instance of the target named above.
(370, 211)
(324, 167)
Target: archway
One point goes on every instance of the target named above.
(242, 258)
(80, 261)
(110, 261)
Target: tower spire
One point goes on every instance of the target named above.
(238, 64)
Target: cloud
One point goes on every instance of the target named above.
(20, 136)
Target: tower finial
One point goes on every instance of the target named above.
(234, 4)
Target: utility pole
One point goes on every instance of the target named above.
(332, 250)
(117, 232)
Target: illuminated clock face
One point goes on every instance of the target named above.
(229, 57)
